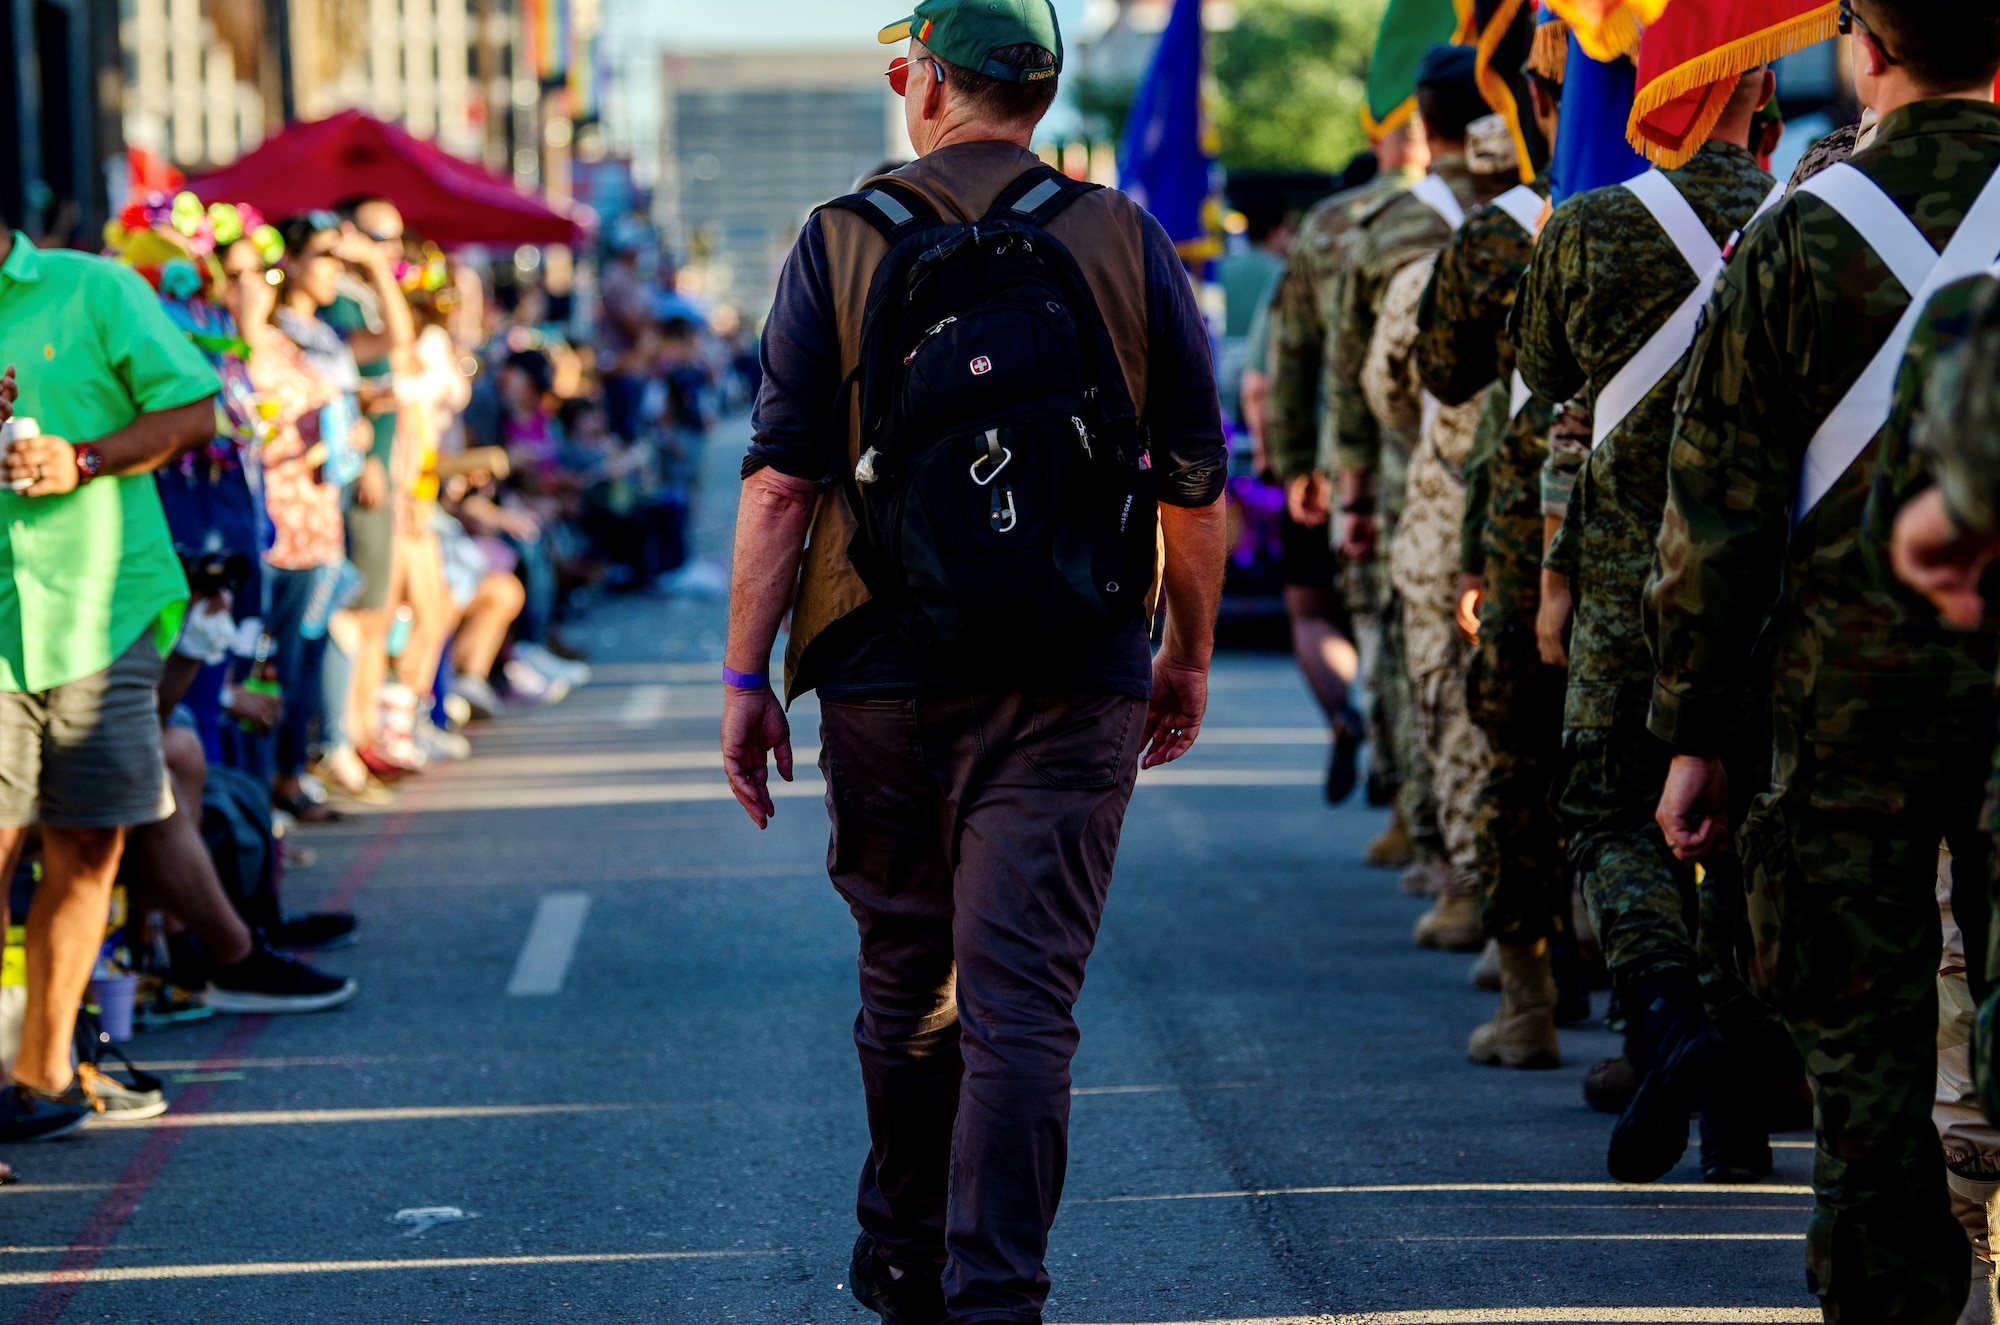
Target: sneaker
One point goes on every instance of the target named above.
(29, 1115)
(478, 696)
(167, 1005)
(528, 686)
(439, 745)
(457, 711)
(321, 931)
(552, 665)
(113, 1099)
(267, 982)
(914, 1299)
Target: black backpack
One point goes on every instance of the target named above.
(1003, 493)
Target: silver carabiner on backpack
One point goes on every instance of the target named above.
(996, 455)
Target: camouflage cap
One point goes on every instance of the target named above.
(967, 32)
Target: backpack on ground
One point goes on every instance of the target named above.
(1003, 490)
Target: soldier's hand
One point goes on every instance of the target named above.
(1694, 807)
(1552, 619)
(1471, 592)
(1941, 561)
(1309, 500)
(1358, 535)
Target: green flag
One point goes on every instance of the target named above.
(1409, 28)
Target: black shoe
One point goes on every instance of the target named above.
(267, 982)
(1572, 984)
(1609, 1083)
(1682, 1054)
(1340, 770)
(1733, 1147)
(322, 931)
(29, 1115)
(914, 1299)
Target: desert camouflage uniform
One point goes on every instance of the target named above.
(1300, 441)
(1391, 233)
(1423, 564)
(1882, 718)
(1605, 277)
(1515, 699)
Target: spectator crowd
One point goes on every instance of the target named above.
(289, 503)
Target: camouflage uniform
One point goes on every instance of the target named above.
(1391, 233)
(1605, 277)
(1423, 563)
(1299, 436)
(1514, 697)
(1881, 717)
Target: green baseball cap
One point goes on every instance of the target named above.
(967, 32)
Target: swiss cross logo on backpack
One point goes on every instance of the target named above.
(981, 365)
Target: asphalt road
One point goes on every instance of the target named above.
(662, 1121)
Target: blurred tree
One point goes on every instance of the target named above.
(1289, 76)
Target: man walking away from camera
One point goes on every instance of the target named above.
(976, 794)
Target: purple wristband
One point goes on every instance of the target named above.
(736, 680)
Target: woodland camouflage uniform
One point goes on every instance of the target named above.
(1605, 277)
(1515, 698)
(1882, 718)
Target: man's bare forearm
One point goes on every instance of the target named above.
(772, 517)
(152, 440)
(1196, 546)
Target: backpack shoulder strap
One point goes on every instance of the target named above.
(896, 210)
(1038, 196)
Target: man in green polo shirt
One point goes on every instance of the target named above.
(91, 595)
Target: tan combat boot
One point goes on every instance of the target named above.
(1523, 1032)
(1393, 848)
(1452, 923)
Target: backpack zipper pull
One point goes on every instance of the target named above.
(864, 468)
(1083, 437)
(921, 340)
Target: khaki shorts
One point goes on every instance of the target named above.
(87, 753)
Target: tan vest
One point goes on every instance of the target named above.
(1102, 232)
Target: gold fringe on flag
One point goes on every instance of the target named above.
(1731, 60)
(1607, 29)
(1550, 56)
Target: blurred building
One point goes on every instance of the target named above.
(59, 122)
(750, 143)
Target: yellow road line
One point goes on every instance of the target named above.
(126, 1274)
(419, 1113)
(1542, 1316)
(1636, 1189)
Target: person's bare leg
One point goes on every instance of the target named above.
(12, 840)
(1326, 657)
(432, 615)
(173, 863)
(65, 930)
(371, 669)
(483, 629)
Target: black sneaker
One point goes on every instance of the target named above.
(29, 1115)
(267, 982)
(914, 1299)
(321, 931)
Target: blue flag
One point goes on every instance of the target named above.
(1167, 160)
(1591, 151)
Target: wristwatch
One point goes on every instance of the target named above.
(89, 463)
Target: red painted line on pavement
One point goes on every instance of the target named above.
(89, 1246)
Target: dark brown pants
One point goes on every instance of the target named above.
(973, 838)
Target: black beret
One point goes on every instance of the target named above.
(1448, 67)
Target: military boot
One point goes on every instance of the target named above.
(1485, 973)
(1680, 1056)
(1393, 848)
(1976, 1203)
(1523, 1032)
(1608, 1084)
(1452, 923)
(1424, 877)
(1735, 1117)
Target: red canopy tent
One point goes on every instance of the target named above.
(353, 154)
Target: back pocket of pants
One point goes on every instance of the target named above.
(1078, 741)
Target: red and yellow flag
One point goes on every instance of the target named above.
(1607, 29)
(1692, 56)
